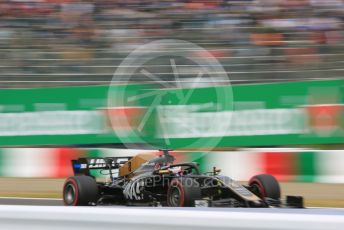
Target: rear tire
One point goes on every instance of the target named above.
(265, 185)
(183, 192)
(80, 191)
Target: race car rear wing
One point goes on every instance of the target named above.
(82, 166)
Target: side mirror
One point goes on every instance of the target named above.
(216, 171)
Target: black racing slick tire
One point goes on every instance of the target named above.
(80, 191)
(265, 186)
(183, 192)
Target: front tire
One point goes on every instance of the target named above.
(265, 186)
(80, 191)
(183, 192)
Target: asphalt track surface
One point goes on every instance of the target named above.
(30, 201)
(58, 202)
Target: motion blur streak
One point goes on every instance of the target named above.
(61, 99)
(60, 42)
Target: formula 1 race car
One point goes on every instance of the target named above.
(149, 180)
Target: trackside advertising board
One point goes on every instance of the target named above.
(286, 164)
(60, 116)
(263, 115)
(309, 112)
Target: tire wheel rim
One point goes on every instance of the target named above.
(257, 190)
(175, 197)
(69, 194)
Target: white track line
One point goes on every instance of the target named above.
(28, 198)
